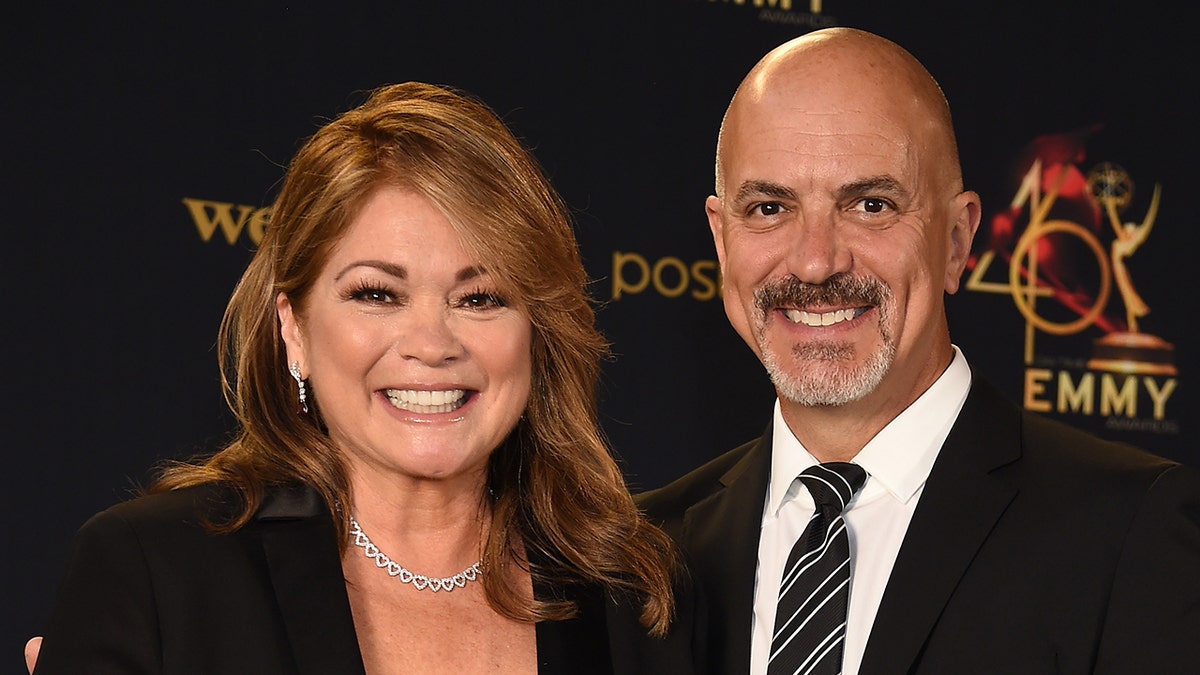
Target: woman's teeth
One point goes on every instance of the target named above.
(427, 402)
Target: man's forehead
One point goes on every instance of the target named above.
(761, 169)
(831, 95)
(871, 149)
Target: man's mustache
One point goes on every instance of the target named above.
(839, 290)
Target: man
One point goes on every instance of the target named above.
(985, 539)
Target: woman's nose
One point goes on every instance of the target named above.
(427, 335)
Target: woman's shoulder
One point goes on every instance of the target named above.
(205, 499)
(206, 507)
(184, 509)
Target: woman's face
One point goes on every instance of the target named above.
(419, 366)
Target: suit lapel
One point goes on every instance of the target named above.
(723, 532)
(301, 549)
(959, 506)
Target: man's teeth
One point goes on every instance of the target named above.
(817, 319)
(427, 402)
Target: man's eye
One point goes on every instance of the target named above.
(768, 209)
(871, 205)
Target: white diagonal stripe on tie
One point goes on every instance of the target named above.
(810, 619)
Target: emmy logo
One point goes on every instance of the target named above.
(1052, 254)
(1128, 351)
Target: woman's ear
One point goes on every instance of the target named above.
(289, 330)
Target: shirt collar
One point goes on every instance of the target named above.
(898, 458)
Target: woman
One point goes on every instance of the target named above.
(419, 483)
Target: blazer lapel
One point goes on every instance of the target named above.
(300, 543)
(959, 506)
(578, 646)
(723, 531)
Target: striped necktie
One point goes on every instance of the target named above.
(810, 621)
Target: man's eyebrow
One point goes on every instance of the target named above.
(763, 188)
(873, 185)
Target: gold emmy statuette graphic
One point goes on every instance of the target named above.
(1129, 351)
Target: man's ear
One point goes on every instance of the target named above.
(965, 214)
(289, 330)
(716, 223)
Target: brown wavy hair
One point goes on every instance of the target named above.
(557, 490)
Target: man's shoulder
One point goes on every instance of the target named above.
(1051, 445)
(674, 498)
(1086, 452)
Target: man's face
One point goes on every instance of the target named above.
(834, 236)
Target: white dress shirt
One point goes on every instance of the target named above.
(897, 461)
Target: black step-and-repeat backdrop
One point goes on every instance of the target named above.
(143, 147)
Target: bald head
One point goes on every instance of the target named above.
(819, 78)
(840, 223)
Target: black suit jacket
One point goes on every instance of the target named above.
(148, 590)
(1035, 548)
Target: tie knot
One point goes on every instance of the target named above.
(832, 484)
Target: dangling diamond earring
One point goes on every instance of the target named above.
(294, 369)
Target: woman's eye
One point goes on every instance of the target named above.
(482, 301)
(375, 296)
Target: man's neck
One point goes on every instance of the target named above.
(838, 433)
(835, 433)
